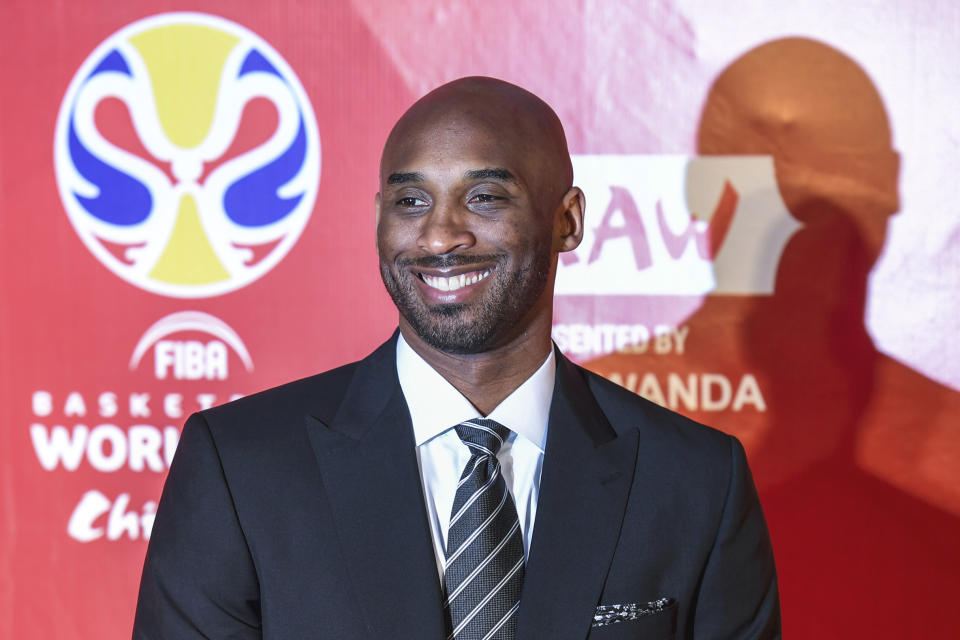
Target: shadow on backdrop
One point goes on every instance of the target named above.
(855, 454)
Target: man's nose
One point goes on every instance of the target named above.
(445, 229)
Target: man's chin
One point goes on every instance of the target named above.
(449, 311)
(455, 347)
(446, 328)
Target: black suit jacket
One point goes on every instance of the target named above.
(298, 513)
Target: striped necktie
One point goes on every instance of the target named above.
(483, 573)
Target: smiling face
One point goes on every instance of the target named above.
(471, 215)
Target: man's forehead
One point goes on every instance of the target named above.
(478, 125)
(456, 134)
(471, 152)
(473, 103)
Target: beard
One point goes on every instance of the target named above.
(476, 326)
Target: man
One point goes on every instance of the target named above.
(397, 496)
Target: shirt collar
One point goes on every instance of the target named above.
(436, 405)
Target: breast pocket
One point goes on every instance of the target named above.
(661, 625)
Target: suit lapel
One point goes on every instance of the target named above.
(367, 459)
(584, 486)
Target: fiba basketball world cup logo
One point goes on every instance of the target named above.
(187, 155)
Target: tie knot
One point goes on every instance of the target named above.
(484, 437)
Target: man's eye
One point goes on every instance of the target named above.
(410, 201)
(485, 197)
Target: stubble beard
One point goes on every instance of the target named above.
(479, 325)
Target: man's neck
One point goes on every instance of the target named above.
(485, 379)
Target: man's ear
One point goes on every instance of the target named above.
(568, 226)
(376, 207)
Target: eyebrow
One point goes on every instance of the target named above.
(401, 178)
(495, 173)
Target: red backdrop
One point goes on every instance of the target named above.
(772, 248)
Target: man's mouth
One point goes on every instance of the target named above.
(452, 283)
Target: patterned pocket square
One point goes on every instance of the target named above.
(613, 613)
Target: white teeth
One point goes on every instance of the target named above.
(454, 282)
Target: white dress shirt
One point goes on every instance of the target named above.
(436, 407)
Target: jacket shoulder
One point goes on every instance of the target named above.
(270, 410)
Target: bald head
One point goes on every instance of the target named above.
(475, 205)
(520, 125)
